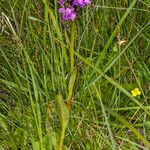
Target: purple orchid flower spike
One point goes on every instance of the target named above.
(70, 12)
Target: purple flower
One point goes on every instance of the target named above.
(62, 2)
(80, 3)
(68, 13)
(87, 2)
(69, 8)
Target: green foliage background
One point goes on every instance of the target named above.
(112, 57)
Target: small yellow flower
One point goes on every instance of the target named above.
(136, 92)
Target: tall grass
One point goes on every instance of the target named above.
(48, 66)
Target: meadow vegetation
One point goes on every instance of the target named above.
(111, 58)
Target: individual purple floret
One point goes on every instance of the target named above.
(87, 2)
(68, 13)
(62, 2)
(80, 3)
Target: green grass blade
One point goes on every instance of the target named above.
(106, 119)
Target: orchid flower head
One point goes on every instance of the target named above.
(69, 8)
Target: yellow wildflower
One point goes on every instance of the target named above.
(136, 92)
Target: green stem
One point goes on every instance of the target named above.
(61, 139)
(72, 68)
(72, 47)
